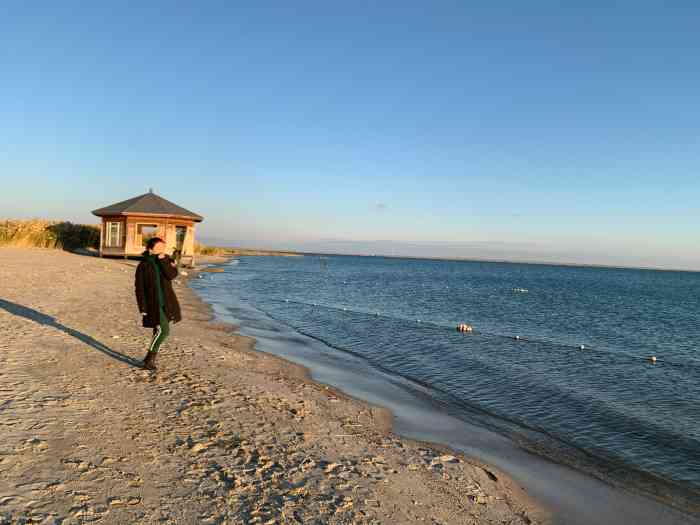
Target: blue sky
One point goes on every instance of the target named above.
(568, 133)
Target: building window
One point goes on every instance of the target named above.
(146, 232)
(114, 234)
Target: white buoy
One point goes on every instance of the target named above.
(581, 347)
(652, 359)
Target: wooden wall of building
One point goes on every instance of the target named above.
(132, 242)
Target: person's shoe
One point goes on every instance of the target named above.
(149, 363)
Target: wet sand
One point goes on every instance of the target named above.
(221, 433)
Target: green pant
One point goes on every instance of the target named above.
(160, 332)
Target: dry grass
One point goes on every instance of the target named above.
(202, 249)
(41, 233)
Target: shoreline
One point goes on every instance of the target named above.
(384, 417)
(221, 433)
(624, 505)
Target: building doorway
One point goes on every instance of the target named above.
(145, 232)
(180, 234)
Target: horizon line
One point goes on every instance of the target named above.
(475, 259)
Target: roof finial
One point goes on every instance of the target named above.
(150, 190)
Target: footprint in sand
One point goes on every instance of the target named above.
(35, 444)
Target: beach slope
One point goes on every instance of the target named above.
(220, 434)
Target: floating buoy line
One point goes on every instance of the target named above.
(463, 328)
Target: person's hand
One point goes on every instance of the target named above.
(161, 255)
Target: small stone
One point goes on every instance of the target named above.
(331, 467)
(307, 464)
(199, 447)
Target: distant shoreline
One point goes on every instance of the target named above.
(497, 261)
(241, 252)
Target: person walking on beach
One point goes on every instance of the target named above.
(155, 296)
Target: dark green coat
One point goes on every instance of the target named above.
(147, 291)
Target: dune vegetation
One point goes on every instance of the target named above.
(42, 233)
(201, 249)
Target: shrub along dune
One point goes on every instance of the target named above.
(41, 233)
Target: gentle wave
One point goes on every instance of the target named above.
(619, 355)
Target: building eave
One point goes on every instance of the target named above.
(154, 215)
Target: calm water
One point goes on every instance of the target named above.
(605, 409)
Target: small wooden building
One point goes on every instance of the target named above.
(127, 226)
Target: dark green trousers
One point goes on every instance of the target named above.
(160, 332)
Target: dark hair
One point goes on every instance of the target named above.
(152, 242)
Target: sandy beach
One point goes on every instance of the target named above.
(219, 434)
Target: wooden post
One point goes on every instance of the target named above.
(165, 233)
(102, 227)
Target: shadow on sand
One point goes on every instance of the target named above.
(47, 320)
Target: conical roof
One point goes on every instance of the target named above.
(148, 204)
